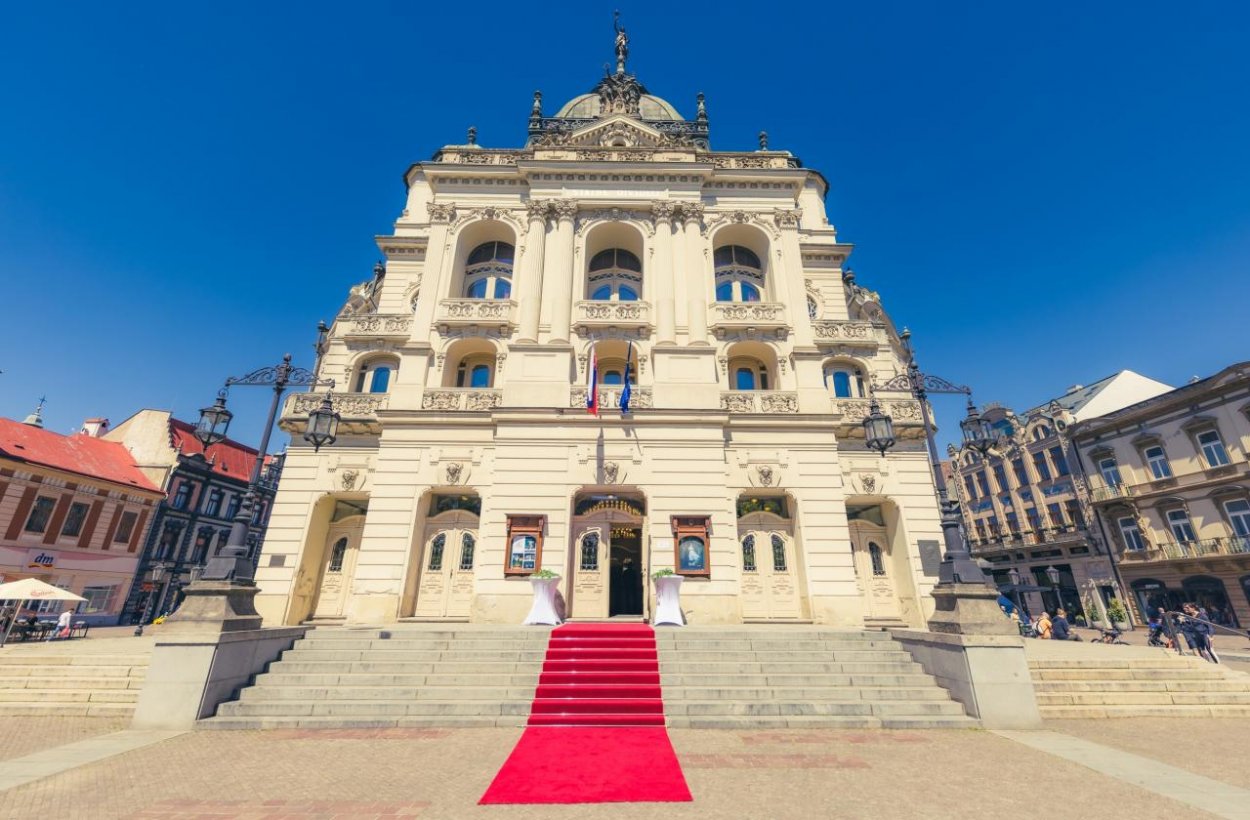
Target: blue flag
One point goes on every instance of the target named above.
(625, 391)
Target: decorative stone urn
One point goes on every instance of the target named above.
(544, 609)
(668, 601)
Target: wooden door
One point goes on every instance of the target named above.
(770, 585)
(590, 571)
(446, 587)
(873, 565)
(337, 570)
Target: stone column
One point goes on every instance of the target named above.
(559, 285)
(530, 292)
(697, 272)
(661, 273)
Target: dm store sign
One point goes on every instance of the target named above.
(40, 559)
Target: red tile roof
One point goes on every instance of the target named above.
(79, 454)
(229, 457)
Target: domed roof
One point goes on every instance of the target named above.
(586, 106)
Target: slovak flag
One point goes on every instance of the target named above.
(592, 384)
(626, 392)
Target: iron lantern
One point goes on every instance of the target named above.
(878, 429)
(214, 422)
(1053, 575)
(1014, 575)
(323, 424)
(978, 434)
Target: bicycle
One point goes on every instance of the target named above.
(1111, 636)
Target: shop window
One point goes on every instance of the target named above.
(99, 599)
(525, 544)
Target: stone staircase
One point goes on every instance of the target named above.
(39, 681)
(1084, 681)
(402, 675)
(757, 677)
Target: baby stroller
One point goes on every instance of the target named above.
(1158, 637)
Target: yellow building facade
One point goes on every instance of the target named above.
(615, 246)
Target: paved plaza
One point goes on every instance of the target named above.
(440, 773)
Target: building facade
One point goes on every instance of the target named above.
(1170, 483)
(1026, 502)
(202, 496)
(74, 512)
(614, 249)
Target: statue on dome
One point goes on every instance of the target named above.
(622, 42)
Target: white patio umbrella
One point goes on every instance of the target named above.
(31, 589)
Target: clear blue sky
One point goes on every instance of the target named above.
(1044, 193)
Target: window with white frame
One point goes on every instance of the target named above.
(375, 376)
(739, 274)
(99, 599)
(748, 374)
(1238, 511)
(74, 519)
(846, 381)
(1182, 528)
(614, 275)
(475, 371)
(1131, 534)
(1110, 471)
(1157, 461)
(488, 271)
(1212, 448)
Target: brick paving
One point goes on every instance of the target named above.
(356, 774)
(20, 736)
(1212, 747)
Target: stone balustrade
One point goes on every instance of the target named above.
(728, 317)
(457, 313)
(377, 326)
(759, 401)
(591, 315)
(461, 398)
(903, 411)
(852, 333)
(358, 412)
(610, 397)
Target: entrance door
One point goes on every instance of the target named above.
(770, 587)
(337, 570)
(590, 587)
(871, 553)
(625, 592)
(446, 588)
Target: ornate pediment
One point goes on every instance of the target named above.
(615, 131)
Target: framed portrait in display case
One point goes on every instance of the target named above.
(690, 546)
(525, 544)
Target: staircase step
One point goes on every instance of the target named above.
(599, 678)
(597, 691)
(1173, 710)
(601, 706)
(595, 719)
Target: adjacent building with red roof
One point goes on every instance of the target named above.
(75, 511)
(203, 494)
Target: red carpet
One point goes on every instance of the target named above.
(596, 729)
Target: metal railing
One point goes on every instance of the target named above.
(1170, 551)
(1172, 624)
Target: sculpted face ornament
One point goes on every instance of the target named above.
(869, 483)
(611, 471)
(348, 479)
(765, 474)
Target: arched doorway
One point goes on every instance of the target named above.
(1209, 593)
(1152, 595)
(609, 556)
(875, 567)
(338, 567)
(447, 558)
(770, 579)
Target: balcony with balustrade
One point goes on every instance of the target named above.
(461, 399)
(1230, 546)
(370, 326)
(495, 314)
(610, 397)
(766, 318)
(594, 317)
(358, 411)
(849, 334)
(770, 402)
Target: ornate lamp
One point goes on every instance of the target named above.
(878, 429)
(323, 424)
(1014, 575)
(978, 434)
(214, 422)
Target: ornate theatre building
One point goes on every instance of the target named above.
(525, 288)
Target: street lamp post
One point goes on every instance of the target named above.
(1013, 575)
(966, 601)
(1053, 575)
(158, 570)
(230, 563)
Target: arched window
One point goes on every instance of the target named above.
(846, 381)
(748, 374)
(488, 271)
(337, 554)
(612, 371)
(467, 544)
(436, 552)
(590, 551)
(779, 554)
(878, 563)
(475, 371)
(739, 274)
(614, 275)
(375, 377)
(748, 554)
